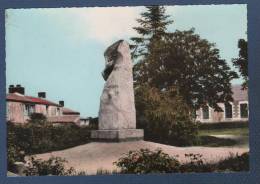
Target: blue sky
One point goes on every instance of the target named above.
(60, 51)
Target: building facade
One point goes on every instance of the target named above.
(19, 107)
(231, 112)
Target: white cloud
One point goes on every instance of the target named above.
(99, 23)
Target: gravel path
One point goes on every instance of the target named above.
(93, 156)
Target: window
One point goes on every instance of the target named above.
(28, 109)
(205, 112)
(47, 108)
(228, 110)
(244, 110)
(58, 112)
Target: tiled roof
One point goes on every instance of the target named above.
(64, 119)
(239, 94)
(68, 111)
(17, 97)
(42, 101)
(29, 99)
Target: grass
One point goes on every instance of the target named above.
(225, 131)
(222, 125)
(211, 141)
(207, 136)
(237, 135)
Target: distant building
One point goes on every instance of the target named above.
(84, 122)
(232, 111)
(19, 107)
(68, 117)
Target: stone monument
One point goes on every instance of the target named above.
(117, 117)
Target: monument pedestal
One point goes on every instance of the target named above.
(117, 135)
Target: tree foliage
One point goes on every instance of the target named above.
(38, 119)
(153, 26)
(164, 117)
(190, 63)
(242, 61)
(175, 73)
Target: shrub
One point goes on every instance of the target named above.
(146, 161)
(14, 152)
(164, 117)
(34, 139)
(235, 163)
(52, 166)
(38, 118)
(196, 163)
(40, 137)
(93, 123)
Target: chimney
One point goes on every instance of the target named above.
(16, 89)
(61, 103)
(42, 94)
(11, 89)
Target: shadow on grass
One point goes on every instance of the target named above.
(211, 141)
(203, 140)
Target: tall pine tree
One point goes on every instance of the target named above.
(152, 32)
(153, 27)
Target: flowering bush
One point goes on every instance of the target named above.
(52, 166)
(145, 161)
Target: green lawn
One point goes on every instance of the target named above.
(225, 131)
(208, 137)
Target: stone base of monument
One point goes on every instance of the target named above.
(117, 135)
